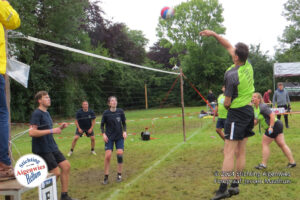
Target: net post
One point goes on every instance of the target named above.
(146, 97)
(182, 104)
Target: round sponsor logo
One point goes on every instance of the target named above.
(31, 170)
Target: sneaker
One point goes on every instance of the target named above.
(94, 153)
(233, 191)
(105, 182)
(291, 165)
(70, 153)
(67, 198)
(5, 167)
(7, 174)
(119, 178)
(260, 166)
(221, 195)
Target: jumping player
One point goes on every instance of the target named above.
(239, 84)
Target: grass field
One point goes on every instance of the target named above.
(166, 167)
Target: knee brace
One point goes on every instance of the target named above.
(120, 158)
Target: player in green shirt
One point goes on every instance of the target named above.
(222, 114)
(239, 84)
(273, 131)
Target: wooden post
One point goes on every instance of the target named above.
(182, 103)
(146, 96)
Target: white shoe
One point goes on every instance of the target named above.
(94, 153)
(70, 153)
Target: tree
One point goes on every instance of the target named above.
(203, 60)
(290, 48)
(263, 69)
(161, 55)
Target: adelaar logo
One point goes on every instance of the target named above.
(31, 170)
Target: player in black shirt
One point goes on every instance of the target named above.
(114, 122)
(85, 122)
(44, 145)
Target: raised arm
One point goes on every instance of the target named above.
(221, 40)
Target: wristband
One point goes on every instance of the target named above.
(51, 131)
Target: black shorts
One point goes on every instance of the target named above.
(239, 123)
(110, 144)
(52, 159)
(84, 131)
(278, 129)
(220, 123)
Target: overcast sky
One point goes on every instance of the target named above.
(248, 21)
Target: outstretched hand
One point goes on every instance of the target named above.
(63, 125)
(207, 33)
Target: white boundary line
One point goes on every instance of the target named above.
(116, 192)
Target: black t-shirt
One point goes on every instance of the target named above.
(85, 118)
(115, 123)
(46, 143)
(211, 97)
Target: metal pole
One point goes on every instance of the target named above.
(182, 103)
(146, 96)
(273, 79)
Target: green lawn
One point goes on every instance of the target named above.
(166, 167)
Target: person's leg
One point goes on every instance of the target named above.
(266, 141)
(219, 127)
(120, 151)
(278, 116)
(107, 161)
(120, 160)
(241, 155)
(229, 152)
(220, 133)
(56, 172)
(65, 173)
(230, 148)
(76, 137)
(286, 150)
(4, 126)
(93, 143)
(286, 120)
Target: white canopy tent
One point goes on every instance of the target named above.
(286, 70)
